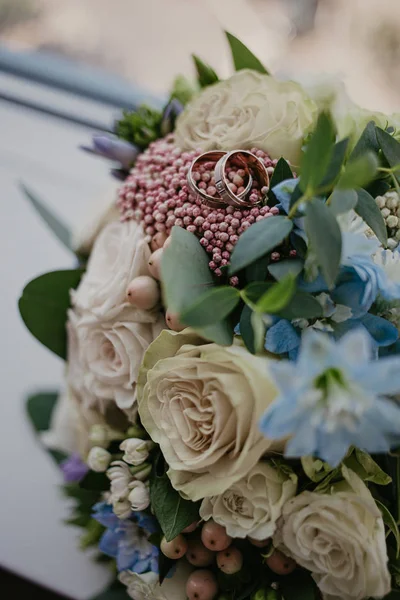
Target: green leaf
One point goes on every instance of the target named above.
(259, 239)
(390, 148)
(278, 296)
(325, 238)
(359, 172)
(335, 165)
(367, 143)
(186, 276)
(259, 328)
(315, 469)
(368, 210)
(243, 58)
(282, 268)
(205, 74)
(390, 522)
(258, 270)
(172, 512)
(253, 292)
(60, 230)
(302, 306)
(43, 307)
(57, 455)
(282, 172)
(40, 408)
(212, 306)
(318, 155)
(299, 585)
(246, 329)
(366, 468)
(341, 201)
(95, 482)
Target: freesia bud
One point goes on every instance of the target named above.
(139, 497)
(98, 459)
(136, 451)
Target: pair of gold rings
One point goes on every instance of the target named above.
(255, 170)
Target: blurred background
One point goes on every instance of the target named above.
(66, 68)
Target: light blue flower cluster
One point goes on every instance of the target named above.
(335, 396)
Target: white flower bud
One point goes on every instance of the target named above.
(397, 236)
(122, 509)
(392, 244)
(99, 435)
(385, 212)
(136, 451)
(392, 202)
(139, 496)
(381, 201)
(392, 221)
(98, 459)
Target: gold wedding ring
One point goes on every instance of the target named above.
(243, 159)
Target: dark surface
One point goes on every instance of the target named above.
(16, 587)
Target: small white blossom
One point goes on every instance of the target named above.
(120, 477)
(98, 459)
(136, 451)
(139, 496)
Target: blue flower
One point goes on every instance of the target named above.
(333, 397)
(73, 468)
(126, 541)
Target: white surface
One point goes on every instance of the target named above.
(44, 154)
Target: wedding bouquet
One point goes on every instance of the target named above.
(231, 337)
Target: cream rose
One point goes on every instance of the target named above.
(247, 110)
(340, 538)
(120, 253)
(202, 403)
(252, 505)
(146, 586)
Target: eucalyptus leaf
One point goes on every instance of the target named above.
(341, 201)
(40, 408)
(205, 74)
(335, 165)
(368, 210)
(172, 512)
(253, 292)
(390, 148)
(390, 522)
(359, 172)
(367, 143)
(259, 328)
(59, 229)
(243, 58)
(246, 329)
(281, 269)
(282, 172)
(318, 155)
(325, 238)
(211, 307)
(43, 307)
(278, 296)
(186, 276)
(302, 306)
(259, 239)
(258, 270)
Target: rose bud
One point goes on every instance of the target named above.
(173, 321)
(143, 292)
(139, 497)
(174, 549)
(214, 536)
(280, 564)
(98, 459)
(198, 555)
(259, 543)
(155, 263)
(191, 527)
(230, 561)
(158, 240)
(201, 585)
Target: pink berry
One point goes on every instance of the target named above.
(191, 527)
(155, 263)
(143, 292)
(158, 240)
(174, 549)
(214, 536)
(280, 564)
(259, 543)
(173, 321)
(230, 561)
(198, 555)
(201, 585)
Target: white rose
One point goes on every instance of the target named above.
(98, 459)
(120, 253)
(252, 505)
(340, 538)
(136, 451)
(139, 496)
(247, 110)
(202, 403)
(146, 586)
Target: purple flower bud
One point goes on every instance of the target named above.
(74, 469)
(113, 149)
(170, 114)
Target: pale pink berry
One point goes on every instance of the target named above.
(158, 240)
(191, 527)
(155, 263)
(167, 242)
(214, 536)
(280, 564)
(143, 292)
(198, 555)
(173, 322)
(174, 549)
(201, 585)
(230, 561)
(259, 543)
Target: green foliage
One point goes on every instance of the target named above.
(318, 156)
(259, 239)
(205, 74)
(211, 307)
(96, 482)
(246, 329)
(366, 468)
(391, 524)
(278, 296)
(183, 90)
(341, 201)
(359, 172)
(391, 150)
(40, 408)
(140, 127)
(299, 585)
(302, 306)
(243, 58)
(43, 307)
(61, 231)
(259, 327)
(281, 269)
(335, 165)
(367, 143)
(368, 210)
(282, 172)
(184, 285)
(315, 469)
(325, 239)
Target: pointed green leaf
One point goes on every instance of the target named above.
(211, 307)
(282, 172)
(390, 148)
(259, 239)
(390, 522)
(60, 230)
(278, 296)
(341, 201)
(302, 306)
(318, 155)
(325, 238)
(359, 172)
(243, 58)
(40, 408)
(335, 165)
(280, 269)
(43, 307)
(259, 328)
(205, 74)
(367, 468)
(369, 211)
(246, 329)
(367, 143)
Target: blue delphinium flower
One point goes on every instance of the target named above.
(126, 541)
(333, 397)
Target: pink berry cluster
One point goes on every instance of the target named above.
(156, 194)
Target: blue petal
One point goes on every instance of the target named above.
(282, 337)
(281, 418)
(353, 292)
(303, 442)
(312, 287)
(126, 557)
(381, 376)
(283, 193)
(109, 543)
(333, 447)
(382, 331)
